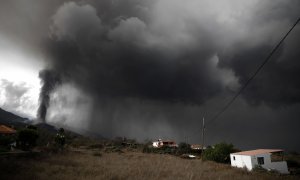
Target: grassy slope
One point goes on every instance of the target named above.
(130, 165)
(87, 164)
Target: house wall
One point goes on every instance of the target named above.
(267, 160)
(155, 144)
(241, 161)
(280, 166)
(250, 162)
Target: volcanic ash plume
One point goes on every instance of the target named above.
(50, 80)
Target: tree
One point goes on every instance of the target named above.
(32, 127)
(6, 141)
(219, 152)
(60, 138)
(184, 148)
(27, 138)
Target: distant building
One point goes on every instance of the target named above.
(197, 147)
(161, 143)
(270, 159)
(7, 131)
(4, 130)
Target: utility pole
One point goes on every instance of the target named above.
(203, 129)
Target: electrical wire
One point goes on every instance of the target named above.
(214, 118)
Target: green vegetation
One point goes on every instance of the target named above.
(219, 153)
(183, 148)
(27, 138)
(162, 150)
(293, 162)
(32, 127)
(60, 138)
(6, 141)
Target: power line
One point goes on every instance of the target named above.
(252, 77)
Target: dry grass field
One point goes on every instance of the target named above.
(94, 164)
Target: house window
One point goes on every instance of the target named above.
(260, 160)
(234, 158)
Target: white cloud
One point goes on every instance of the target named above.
(19, 98)
(19, 82)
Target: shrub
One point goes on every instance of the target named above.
(219, 153)
(32, 127)
(161, 150)
(147, 149)
(27, 138)
(5, 142)
(60, 138)
(292, 163)
(183, 148)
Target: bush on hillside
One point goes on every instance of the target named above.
(32, 127)
(60, 138)
(161, 150)
(184, 148)
(219, 153)
(27, 138)
(6, 141)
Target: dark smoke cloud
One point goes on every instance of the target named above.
(277, 84)
(120, 61)
(50, 80)
(152, 68)
(128, 53)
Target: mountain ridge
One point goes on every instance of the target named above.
(8, 118)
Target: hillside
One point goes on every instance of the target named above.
(8, 118)
(7, 115)
(46, 131)
(98, 164)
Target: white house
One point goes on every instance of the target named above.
(270, 159)
(160, 143)
(197, 147)
(156, 144)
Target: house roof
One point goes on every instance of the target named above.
(168, 141)
(196, 146)
(258, 151)
(6, 130)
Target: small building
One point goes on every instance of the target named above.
(270, 159)
(197, 147)
(163, 143)
(4, 130)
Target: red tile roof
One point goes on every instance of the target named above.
(6, 130)
(258, 151)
